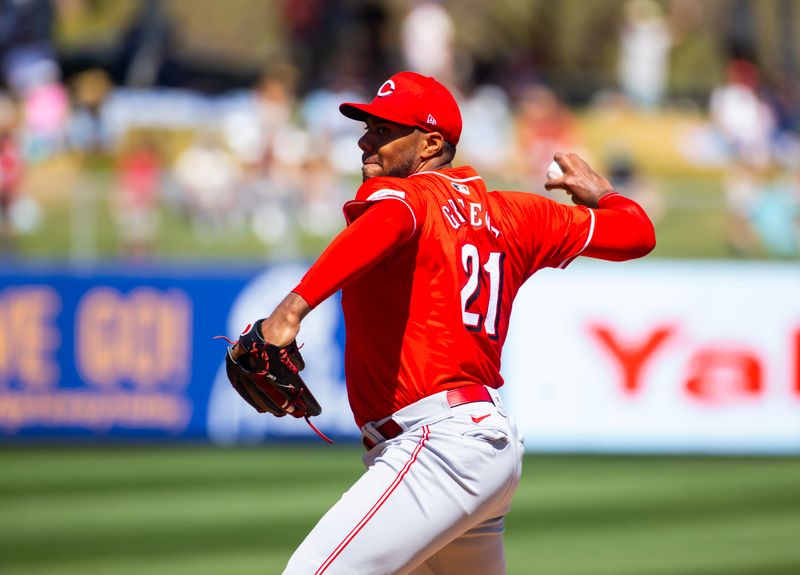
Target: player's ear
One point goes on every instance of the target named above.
(432, 145)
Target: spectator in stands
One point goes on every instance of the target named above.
(11, 168)
(488, 136)
(135, 204)
(743, 118)
(746, 125)
(776, 217)
(207, 175)
(331, 134)
(644, 47)
(427, 38)
(87, 132)
(322, 196)
(31, 71)
(274, 191)
(544, 126)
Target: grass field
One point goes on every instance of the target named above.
(199, 510)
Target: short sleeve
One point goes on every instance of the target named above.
(385, 189)
(550, 234)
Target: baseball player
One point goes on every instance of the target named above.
(428, 267)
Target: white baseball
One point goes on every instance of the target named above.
(554, 171)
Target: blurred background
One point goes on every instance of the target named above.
(170, 168)
(168, 129)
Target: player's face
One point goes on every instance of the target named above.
(389, 149)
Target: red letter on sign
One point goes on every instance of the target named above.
(720, 374)
(632, 358)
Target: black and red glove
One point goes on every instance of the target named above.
(267, 376)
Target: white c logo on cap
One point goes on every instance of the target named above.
(386, 88)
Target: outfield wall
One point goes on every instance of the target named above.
(652, 356)
(658, 356)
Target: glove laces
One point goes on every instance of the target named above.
(317, 431)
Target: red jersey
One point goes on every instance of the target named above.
(434, 314)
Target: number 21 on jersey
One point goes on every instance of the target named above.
(478, 272)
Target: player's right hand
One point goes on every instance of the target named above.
(580, 181)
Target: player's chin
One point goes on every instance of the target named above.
(371, 171)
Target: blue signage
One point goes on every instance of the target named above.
(130, 353)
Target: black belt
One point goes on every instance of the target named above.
(455, 397)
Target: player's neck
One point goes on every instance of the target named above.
(433, 164)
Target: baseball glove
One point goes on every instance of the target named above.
(267, 376)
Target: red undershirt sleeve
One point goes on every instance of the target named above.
(622, 230)
(382, 228)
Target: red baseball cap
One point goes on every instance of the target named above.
(412, 99)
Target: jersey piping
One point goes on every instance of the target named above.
(385, 194)
(569, 260)
(448, 177)
(401, 199)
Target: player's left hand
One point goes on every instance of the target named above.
(267, 376)
(580, 181)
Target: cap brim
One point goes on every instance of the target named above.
(354, 111)
(361, 112)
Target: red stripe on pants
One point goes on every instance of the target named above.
(381, 500)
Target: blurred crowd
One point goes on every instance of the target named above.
(759, 139)
(277, 160)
